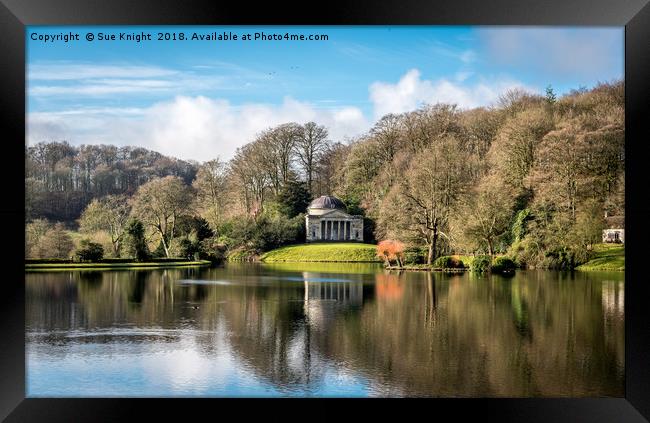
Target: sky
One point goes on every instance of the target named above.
(201, 99)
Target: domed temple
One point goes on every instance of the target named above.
(327, 220)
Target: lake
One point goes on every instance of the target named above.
(328, 330)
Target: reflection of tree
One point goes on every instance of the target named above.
(268, 332)
(476, 347)
(431, 301)
(275, 331)
(538, 333)
(389, 287)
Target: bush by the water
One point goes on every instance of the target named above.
(481, 264)
(559, 259)
(448, 262)
(89, 251)
(266, 233)
(415, 255)
(503, 265)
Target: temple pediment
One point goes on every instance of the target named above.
(332, 214)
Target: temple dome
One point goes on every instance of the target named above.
(327, 202)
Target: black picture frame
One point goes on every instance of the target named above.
(633, 14)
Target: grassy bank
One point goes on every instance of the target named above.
(112, 266)
(323, 252)
(605, 257)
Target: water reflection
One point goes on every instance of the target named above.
(323, 330)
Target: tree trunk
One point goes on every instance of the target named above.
(432, 247)
(310, 177)
(165, 246)
(430, 254)
(490, 247)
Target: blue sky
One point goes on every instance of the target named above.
(197, 99)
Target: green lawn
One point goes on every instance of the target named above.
(107, 266)
(606, 257)
(324, 252)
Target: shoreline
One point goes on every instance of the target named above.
(113, 266)
(429, 269)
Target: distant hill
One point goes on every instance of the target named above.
(62, 179)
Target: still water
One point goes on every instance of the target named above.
(323, 330)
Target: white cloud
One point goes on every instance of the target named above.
(202, 128)
(410, 92)
(196, 128)
(69, 80)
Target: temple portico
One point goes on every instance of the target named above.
(327, 220)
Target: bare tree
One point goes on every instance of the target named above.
(108, 214)
(211, 191)
(159, 204)
(425, 197)
(310, 145)
(277, 150)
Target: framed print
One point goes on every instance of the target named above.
(379, 206)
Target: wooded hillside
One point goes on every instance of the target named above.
(532, 176)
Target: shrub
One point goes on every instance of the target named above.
(503, 264)
(448, 262)
(214, 248)
(266, 233)
(89, 251)
(481, 264)
(559, 259)
(186, 246)
(415, 255)
(241, 254)
(389, 250)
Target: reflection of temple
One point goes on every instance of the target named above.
(324, 299)
(613, 298)
(345, 292)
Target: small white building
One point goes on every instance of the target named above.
(327, 220)
(615, 232)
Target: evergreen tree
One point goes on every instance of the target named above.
(134, 243)
(294, 198)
